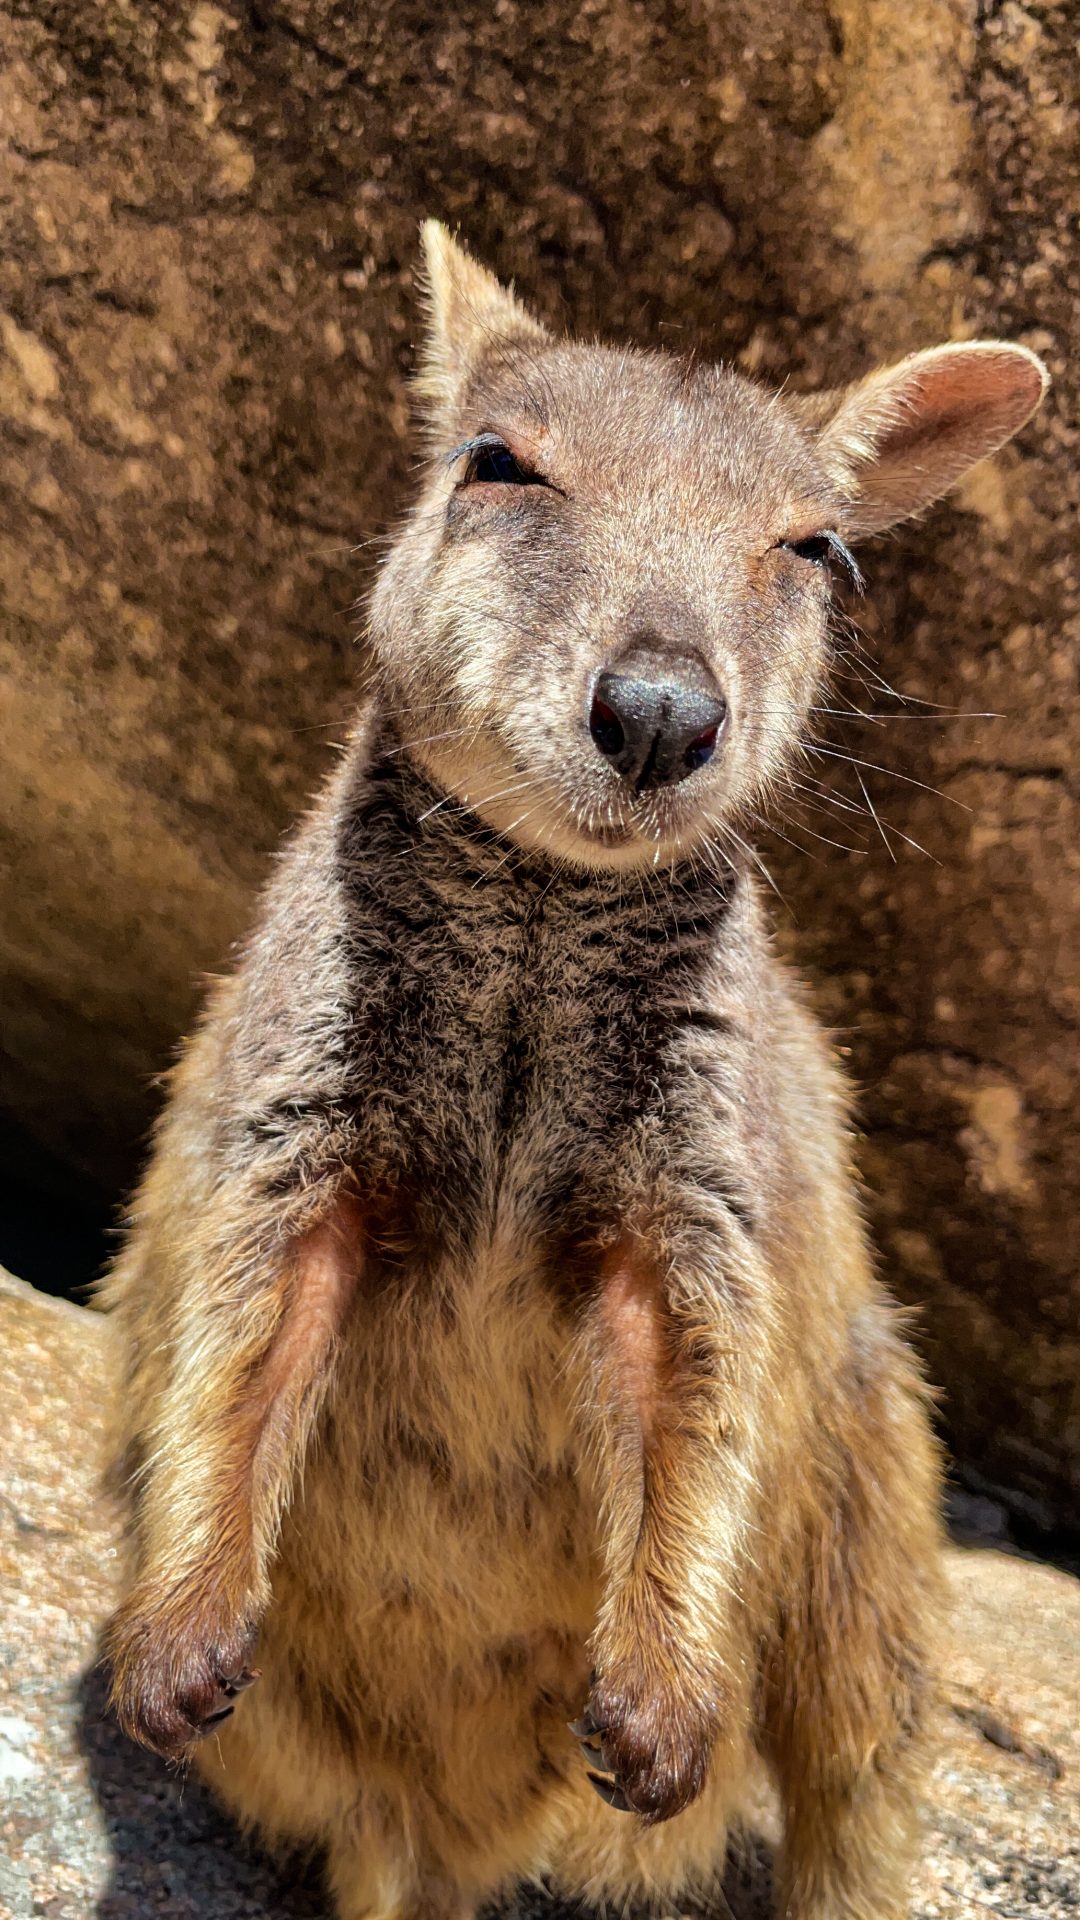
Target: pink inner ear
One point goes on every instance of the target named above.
(909, 433)
(983, 392)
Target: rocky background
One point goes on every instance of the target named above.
(208, 229)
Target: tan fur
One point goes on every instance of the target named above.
(501, 1336)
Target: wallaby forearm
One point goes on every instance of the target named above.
(209, 1492)
(673, 1390)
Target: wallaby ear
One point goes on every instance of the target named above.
(469, 312)
(903, 436)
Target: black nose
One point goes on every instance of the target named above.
(657, 720)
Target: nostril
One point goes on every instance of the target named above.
(701, 749)
(606, 728)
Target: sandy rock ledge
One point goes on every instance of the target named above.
(90, 1829)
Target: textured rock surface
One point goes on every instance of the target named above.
(208, 221)
(90, 1829)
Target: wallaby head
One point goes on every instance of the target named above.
(604, 622)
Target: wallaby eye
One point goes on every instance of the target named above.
(491, 462)
(498, 463)
(823, 550)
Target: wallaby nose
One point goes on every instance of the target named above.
(657, 718)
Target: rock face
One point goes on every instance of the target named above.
(89, 1826)
(209, 226)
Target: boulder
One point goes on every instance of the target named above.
(90, 1826)
(209, 229)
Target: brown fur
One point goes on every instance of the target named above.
(497, 1306)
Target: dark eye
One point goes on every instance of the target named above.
(823, 550)
(498, 463)
(492, 463)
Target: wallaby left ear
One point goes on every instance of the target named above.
(470, 314)
(902, 437)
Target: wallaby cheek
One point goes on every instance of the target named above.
(781, 669)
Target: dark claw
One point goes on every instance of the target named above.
(239, 1682)
(590, 1738)
(215, 1719)
(610, 1791)
(586, 1727)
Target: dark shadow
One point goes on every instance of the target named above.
(177, 1856)
(979, 1513)
(57, 1227)
(174, 1852)
(745, 1895)
(748, 1882)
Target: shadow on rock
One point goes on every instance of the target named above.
(175, 1855)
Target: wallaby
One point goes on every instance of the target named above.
(503, 1348)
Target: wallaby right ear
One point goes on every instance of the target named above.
(469, 313)
(902, 437)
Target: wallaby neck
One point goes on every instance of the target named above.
(442, 844)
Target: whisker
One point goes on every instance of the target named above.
(833, 753)
(860, 713)
(451, 733)
(874, 816)
(819, 795)
(798, 826)
(726, 828)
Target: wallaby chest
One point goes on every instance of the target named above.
(512, 1031)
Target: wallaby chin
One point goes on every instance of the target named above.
(659, 831)
(524, 1449)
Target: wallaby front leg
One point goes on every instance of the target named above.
(230, 1401)
(675, 1395)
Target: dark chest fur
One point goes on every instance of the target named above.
(515, 1027)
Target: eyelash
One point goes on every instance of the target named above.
(488, 447)
(826, 549)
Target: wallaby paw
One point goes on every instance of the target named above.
(647, 1750)
(176, 1678)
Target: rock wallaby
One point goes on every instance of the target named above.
(503, 1349)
